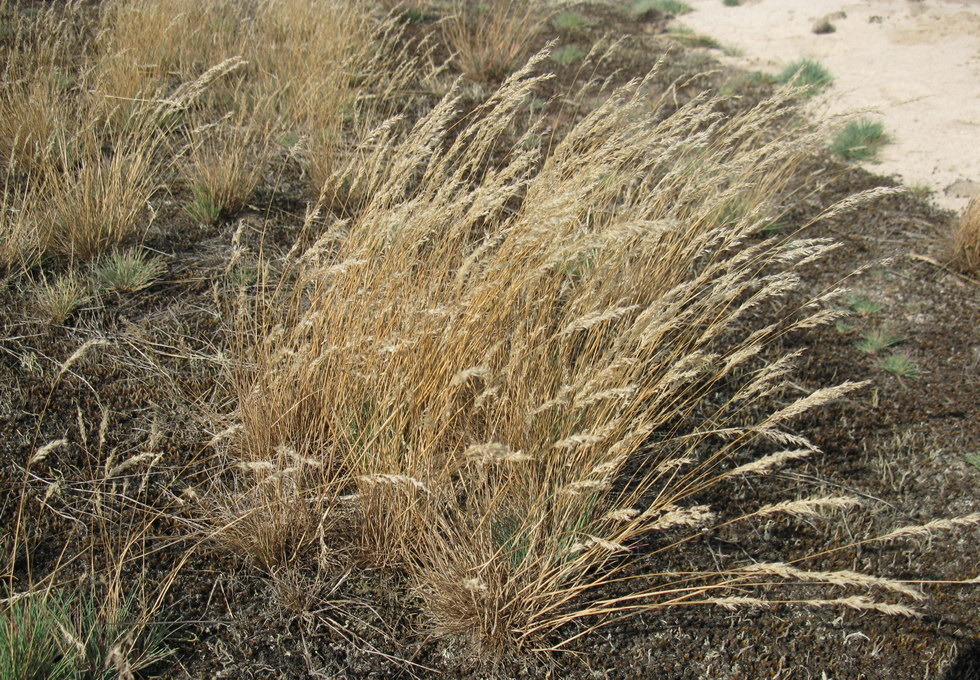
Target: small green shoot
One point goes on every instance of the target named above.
(806, 73)
(57, 300)
(973, 459)
(860, 140)
(128, 272)
(863, 306)
(571, 21)
(731, 3)
(202, 207)
(568, 54)
(672, 7)
(874, 341)
(899, 365)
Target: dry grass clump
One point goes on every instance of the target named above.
(966, 238)
(509, 378)
(492, 39)
(93, 98)
(80, 162)
(224, 164)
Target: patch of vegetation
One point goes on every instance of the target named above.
(875, 341)
(128, 271)
(966, 239)
(202, 207)
(863, 305)
(59, 635)
(688, 37)
(671, 7)
(900, 365)
(732, 3)
(921, 190)
(571, 21)
(860, 140)
(806, 73)
(491, 40)
(57, 300)
(568, 54)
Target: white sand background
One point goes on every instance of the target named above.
(913, 64)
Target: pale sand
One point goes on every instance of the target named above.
(915, 64)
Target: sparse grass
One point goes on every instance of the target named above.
(860, 140)
(128, 272)
(61, 635)
(731, 3)
(57, 300)
(863, 305)
(876, 340)
(921, 190)
(900, 365)
(568, 54)
(966, 239)
(806, 73)
(571, 21)
(672, 7)
(493, 39)
(31, 645)
(688, 37)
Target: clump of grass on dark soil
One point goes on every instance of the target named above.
(806, 73)
(860, 140)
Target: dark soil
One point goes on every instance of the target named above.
(902, 443)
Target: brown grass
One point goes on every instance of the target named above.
(966, 239)
(91, 98)
(492, 39)
(511, 376)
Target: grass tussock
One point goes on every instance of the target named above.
(503, 381)
(492, 39)
(860, 140)
(966, 239)
(808, 74)
(95, 100)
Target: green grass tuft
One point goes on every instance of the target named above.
(860, 140)
(128, 272)
(672, 7)
(900, 365)
(874, 341)
(202, 207)
(571, 21)
(568, 54)
(806, 73)
(863, 305)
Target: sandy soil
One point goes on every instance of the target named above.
(913, 63)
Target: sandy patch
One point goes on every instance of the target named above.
(913, 63)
